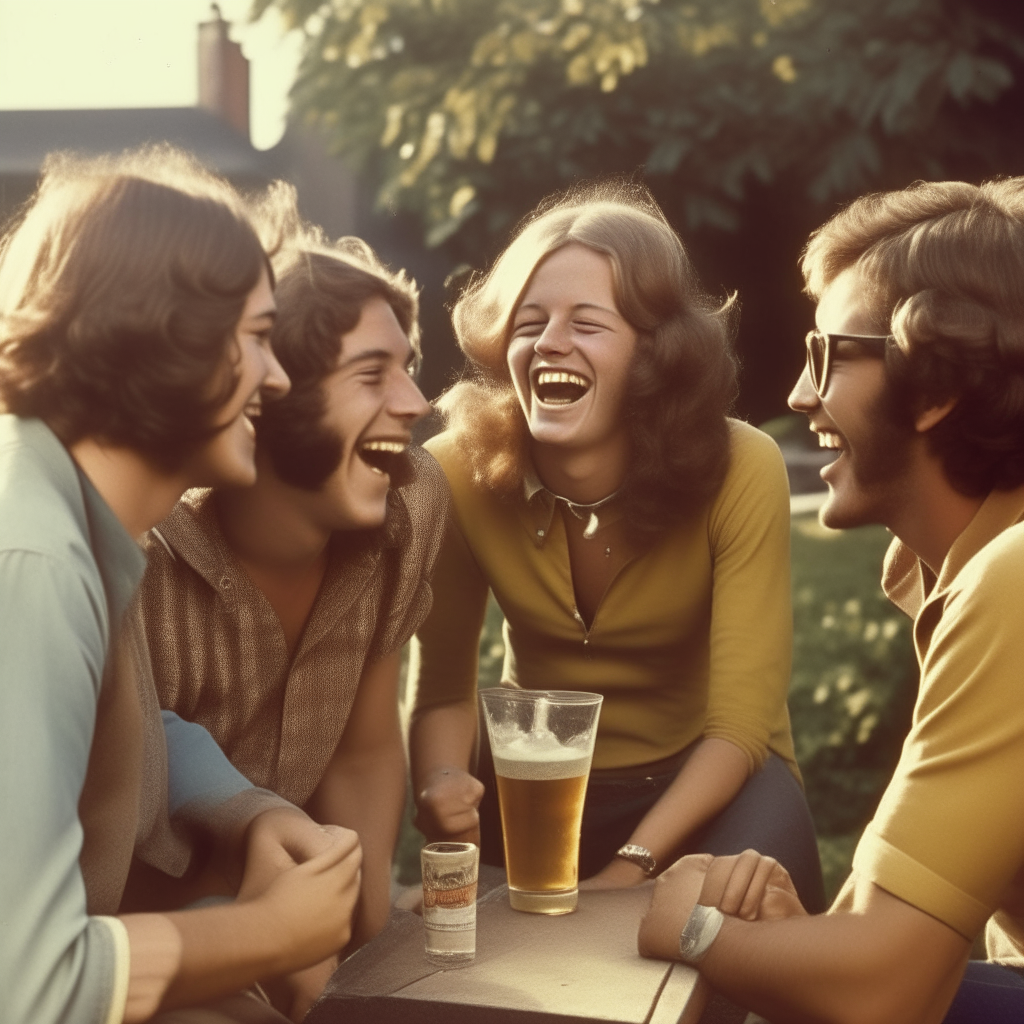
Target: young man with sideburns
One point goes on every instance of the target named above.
(276, 613)
(915, 378)
(135, 311)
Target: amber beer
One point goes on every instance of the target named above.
(542, 742)
(541, 799)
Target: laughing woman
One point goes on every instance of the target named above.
(636, 540)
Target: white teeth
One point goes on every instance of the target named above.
(561, 377)
(396, 447)
(827, 439)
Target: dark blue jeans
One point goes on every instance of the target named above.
(988, 994)
(769, 814)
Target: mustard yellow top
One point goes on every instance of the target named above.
(948, 835)
(692, 639)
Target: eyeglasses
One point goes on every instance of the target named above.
(821, 350)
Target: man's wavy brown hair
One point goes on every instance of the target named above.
(682, 379)
(945, 265)
(322, 288)
(121, 285)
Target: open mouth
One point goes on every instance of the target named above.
(249, 413)
(559, 387)
(384, 457)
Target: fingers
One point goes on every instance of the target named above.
(749, 885)
(781, 880)
(304, 839)
(340, 836)
(727, 881)
(750, 905)
(345, 852)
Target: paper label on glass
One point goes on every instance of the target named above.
(450, 919)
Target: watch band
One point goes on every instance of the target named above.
(638, 855)
(699, 932)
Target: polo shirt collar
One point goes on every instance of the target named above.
(540, 505)
(909, 583)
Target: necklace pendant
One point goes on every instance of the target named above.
(591, 527)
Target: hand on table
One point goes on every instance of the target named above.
(676, 892)
(751, 886)
(446, 806)
(746, 885)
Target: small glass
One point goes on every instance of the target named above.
(449, 902)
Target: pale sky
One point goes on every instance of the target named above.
(61, 54)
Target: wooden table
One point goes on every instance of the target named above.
(529, 969)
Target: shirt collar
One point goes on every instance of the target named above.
(192, 531)
(909, 583)
(540, 505)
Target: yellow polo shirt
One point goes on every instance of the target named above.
(948, 836)
(692, 639)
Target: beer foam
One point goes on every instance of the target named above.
(540, 758)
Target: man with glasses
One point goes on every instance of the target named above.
(915, 378)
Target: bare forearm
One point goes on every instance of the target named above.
(366, 793)
(712, 776)
(183, 958)
(442, 736)
(828, 968)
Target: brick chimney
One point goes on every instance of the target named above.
(223, 74)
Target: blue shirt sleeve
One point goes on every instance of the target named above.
(198, 771)
(56, 964)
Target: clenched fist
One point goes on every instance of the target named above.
(446, 806)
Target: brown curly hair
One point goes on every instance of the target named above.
(121, 285)
(322, 288)
(946, 263)
(682, 378)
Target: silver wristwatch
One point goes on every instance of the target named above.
(638, 855)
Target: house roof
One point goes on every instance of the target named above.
(26, 136)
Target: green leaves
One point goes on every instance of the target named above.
(467, 110)
(854, 673)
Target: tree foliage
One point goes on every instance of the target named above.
(462, 111)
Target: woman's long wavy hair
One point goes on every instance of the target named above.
(682, 379)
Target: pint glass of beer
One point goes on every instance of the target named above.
(542, 742)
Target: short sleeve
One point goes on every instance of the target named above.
(206, 793)
(56, 963)
(948, 835)
(751, 638)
